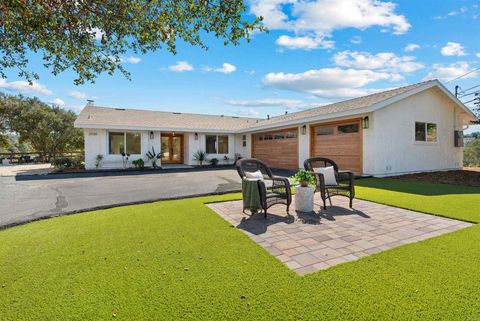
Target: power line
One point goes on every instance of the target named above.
(475, 92)
(461, 76)
(467, 102)
(471, 88)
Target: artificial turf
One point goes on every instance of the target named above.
(460, 202)
(177, 260)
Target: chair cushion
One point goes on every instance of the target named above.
(328, 175)
(257, 175)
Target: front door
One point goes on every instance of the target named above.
(172, 147)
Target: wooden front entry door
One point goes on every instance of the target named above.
(172, 147)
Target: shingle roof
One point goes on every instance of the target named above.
(93, 116)
(346, 105)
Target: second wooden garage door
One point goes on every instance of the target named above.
(278, 149)
(341, 142)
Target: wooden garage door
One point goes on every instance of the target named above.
(278, 149)
(341, 142)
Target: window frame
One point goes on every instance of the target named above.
(244, 140)
(124, 141)
(426, 139)
(216, 143)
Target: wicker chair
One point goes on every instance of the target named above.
(345, 180)
(278, 193)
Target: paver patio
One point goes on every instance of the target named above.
(308, 242)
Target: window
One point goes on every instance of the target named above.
(431, 132)
(324, 130)
(425, 132)
(117, 143)
(276, 136)
(244, 140)
(211, 144)
(347, 129)
(216, 144)
(223, 144)
(133, 142)
(129, 143)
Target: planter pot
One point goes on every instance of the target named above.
(304, 183)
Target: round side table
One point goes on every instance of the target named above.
(304, 198)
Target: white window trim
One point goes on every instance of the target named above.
(424, 142)
(216, 144)
(124, 141)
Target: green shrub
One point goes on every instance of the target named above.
(471, 153)
(138, 163)
(62, 163)
(214, 161)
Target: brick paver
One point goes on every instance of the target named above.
(309, 242)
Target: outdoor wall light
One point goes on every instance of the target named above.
(304, 129)
(366, 123)
(196, 136)
(151, 135)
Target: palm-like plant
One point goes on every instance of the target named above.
(153, 156)
(200, 156)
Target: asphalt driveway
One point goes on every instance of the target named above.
(23, 200)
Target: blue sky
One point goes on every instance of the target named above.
(316, 52)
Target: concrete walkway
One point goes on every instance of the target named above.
(308, 242)
(23, 200)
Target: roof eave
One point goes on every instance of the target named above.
(161, 129)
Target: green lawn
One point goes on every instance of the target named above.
(460, 202)
(177, 260)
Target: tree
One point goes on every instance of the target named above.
(471, 153)
(49, 130)
(90, 36)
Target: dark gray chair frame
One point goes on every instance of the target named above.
(280, 191)
(345, 179)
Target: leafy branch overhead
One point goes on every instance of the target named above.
(90, 36)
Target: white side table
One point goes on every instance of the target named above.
(304, 198)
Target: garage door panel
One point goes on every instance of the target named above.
(345, 149)
(281, 152)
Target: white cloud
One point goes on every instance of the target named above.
(460, 11)
(132, 60)
(97, 33)
(322, 17)
(449, 72)
(453, 49)
(225, 69)
(305, 42)
(411, 47)
(384, 61)
(477, 54)
(23, 87)
(247, 112)
(181, 66)
(329, 82)
(77, 95)
(58, 102)
(356, 40)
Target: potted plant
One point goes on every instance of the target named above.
(153, 156)
(304, 178)
(200, 156)
(98, 161)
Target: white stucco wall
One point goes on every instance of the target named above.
(200, 144)
(394, 149)
(96, 142)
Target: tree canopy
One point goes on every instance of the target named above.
(49, 130)
(90, 36)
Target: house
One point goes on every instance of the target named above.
(407, 129)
